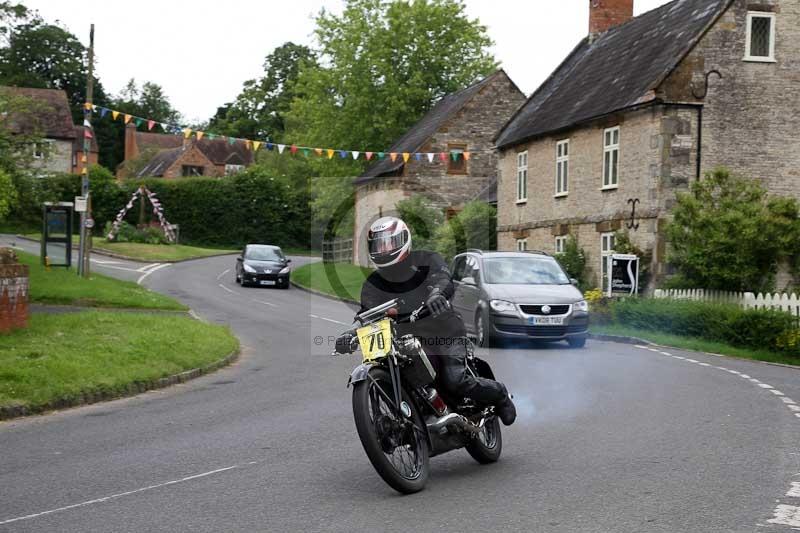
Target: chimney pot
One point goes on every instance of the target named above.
(605, 14)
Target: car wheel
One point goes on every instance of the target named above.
(481, 329)
(576, 342)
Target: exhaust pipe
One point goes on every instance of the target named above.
(454, 419)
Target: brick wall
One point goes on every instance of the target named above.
(13, 292)
(193, 157)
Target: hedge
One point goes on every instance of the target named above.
(747, 328)
(247, 207)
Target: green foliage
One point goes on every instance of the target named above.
(474, 227)
(332, 208)
(729, 235)
(382, 65)
(259, 110)
(8, 194)
(422, 219)
(749, 328)
(129, 233)
(573, 260)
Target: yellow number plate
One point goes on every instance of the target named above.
(375, 339)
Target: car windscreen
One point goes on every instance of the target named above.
(263, 253)
(523, 271)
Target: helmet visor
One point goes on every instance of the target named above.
(384, 245)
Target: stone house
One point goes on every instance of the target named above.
(641, 108)
(172, 156)
(465, 122)
(61, 146)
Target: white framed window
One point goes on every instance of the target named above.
(607, 244)
(611, 158)
(522, 245)
(233, 169)
(562, 167)
(522, 177)
(760, 37)
(561, 244)
(42, 148)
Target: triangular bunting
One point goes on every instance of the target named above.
(318, 151)
(293, 149)
(87, 106)
(381, 155)
(87, 134)
(406, 155)
(248, 144)
(200, 135)
(128, 118)
(187, 132)
(443, 156)
(83, 158)
(342, 153)
(211, 136)
(355, 154)
(87, 123)
(150, 124)
(165, 126)
(306, 151)
(103, 112)
(139, 121)
(256, 145)
(466, 156)
(330, 153)
(392, 156)
(454, 155)
(430, 157)
(231, 140)
(114, 115)
(270, 146)
(281, 148)
(418, 156)
(368, 155)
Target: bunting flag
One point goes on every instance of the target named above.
(255, 145)
(87, 134)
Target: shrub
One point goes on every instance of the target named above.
(749, 328)
(422, 218)
(474, 227)
(573, 260)
(129, 233)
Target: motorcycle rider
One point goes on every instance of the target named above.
(417, 277)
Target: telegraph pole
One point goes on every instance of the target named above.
(85, 246)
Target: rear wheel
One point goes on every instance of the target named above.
(397, 448)
(488, 444)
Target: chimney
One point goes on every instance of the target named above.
(131, 150)
(605, 14)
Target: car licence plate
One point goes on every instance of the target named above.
(267, 282)
(546, 320)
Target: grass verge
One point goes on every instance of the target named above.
(61, 357)
(342, 280)
(694, 344)
(60, 286)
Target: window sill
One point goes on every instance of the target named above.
(561, 195)
(609, 188)
(522, 202)
(750, 59)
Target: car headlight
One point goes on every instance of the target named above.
(501, 306)
(583, 305)
(248, 268)
(284, 270)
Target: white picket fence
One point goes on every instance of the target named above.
(783, 302)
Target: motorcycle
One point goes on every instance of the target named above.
(401, 419)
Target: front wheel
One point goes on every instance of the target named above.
(398, 449)
(576, 342)
(488, 444)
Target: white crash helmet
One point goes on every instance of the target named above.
(388, 241)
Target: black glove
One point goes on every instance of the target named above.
(437, 303)
(344, 343)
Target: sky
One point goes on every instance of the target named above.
(202, 51)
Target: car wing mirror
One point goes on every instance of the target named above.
(288, 260)
(240, 258)
(469, 280)
(573, 281)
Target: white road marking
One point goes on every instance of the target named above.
(793, 407)
(776, 392)
(703, 364)
(787, 400)
(159, 267)
(147, 267)
(329, 320)
(226, 288)
(679, 357)
(794, 492)
(99, 262)
(745, 376)
(786, 515)
(664, 353)
(223, 273)
(265, 303)
(765, 386)
(692, 360)
(119, 495)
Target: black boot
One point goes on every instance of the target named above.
(506, 410)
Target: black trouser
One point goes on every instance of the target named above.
(450, 362)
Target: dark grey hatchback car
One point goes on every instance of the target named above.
(518, 295)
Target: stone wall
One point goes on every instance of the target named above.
(13, 292)
(752, 113)
(372, 201)
(58, 157)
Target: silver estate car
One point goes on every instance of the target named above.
(518, 295)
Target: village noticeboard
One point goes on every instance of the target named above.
(623, 274)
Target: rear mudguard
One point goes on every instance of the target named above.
(483, 369)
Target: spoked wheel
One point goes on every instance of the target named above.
(396, 446)
(487, 445)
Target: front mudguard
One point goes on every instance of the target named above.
(359, 373)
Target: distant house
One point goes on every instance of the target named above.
(641, 108)
(172, 156)
(49, 117)
(79, 159)
(464, 121)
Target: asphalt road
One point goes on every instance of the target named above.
(610, 438)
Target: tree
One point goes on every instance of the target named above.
(382, 66)
(422, 219)
(474, 227)
(260, 109)
(8, 195)
(573, 260)
(729, 235)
